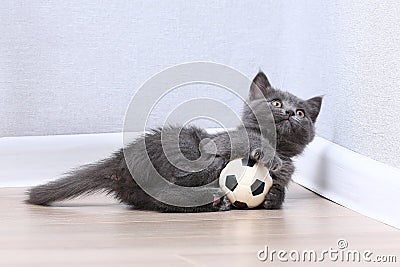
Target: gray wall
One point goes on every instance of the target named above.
(349, 51)
(72, 66)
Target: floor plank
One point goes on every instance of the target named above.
(97, 231)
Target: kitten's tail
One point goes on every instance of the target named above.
(87, 180)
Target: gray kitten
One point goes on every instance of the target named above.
(294, 122)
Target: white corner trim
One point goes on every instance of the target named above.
(350, 179)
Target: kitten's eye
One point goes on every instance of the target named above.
(300, 113)
(277, 103)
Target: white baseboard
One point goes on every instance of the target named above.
(352, 180)
(31, 160)
(345, 177)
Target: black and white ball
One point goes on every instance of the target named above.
(245, 182)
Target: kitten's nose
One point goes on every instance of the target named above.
(290, 112)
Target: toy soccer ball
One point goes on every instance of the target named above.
(245, 182)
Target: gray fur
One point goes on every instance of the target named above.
(293, 133)
(112, 175)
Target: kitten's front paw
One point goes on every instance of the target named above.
(275, 198)
(221, 203)
(272, 162)
(276, 164)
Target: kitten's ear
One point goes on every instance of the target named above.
(259, 86)
(314, 106)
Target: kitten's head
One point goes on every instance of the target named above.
(294, 117)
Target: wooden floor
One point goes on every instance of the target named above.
(97, 231)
